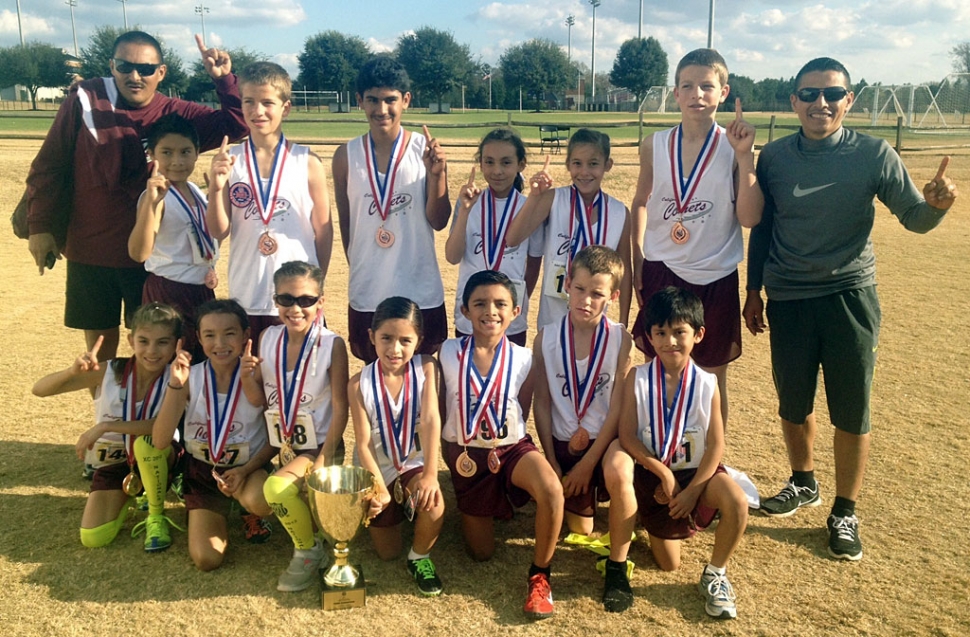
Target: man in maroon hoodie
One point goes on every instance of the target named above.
(92, 167)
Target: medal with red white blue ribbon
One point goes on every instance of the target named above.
(131, 412)
(288, 395)
(203, 238)
(397, 434)
(667, 424)
(684, 188)
(582, 391)
(218, 418)
(495, 228)
(478, 398)
(266, 201)
(383, 191)
(582, 219)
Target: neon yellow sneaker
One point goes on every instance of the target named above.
(157, 537)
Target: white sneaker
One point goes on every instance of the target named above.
(719, 598)
(303, 570)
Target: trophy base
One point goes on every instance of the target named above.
(343, 597)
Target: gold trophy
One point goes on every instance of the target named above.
(339, 498)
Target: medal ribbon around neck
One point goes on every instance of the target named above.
(383, 193)
(583, 235)
(582, 391)
(288, 397)
(129, 402)
(667, 425)
(397, 435)
(684, 189)
(266, 201)
(488, 390)
(494, 228)
(219, 421)
(196, 213)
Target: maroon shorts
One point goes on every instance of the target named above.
(581, 504)
(184, 297)
(200, 489)
(488, 494)
(110, 477)
(518, 339)
(655, 517)
(393, 513)
(722, 314)
(435, 332)
(258, 323)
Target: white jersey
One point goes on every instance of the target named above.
(513, 429)
(715, 247)
(553, 303)
(564, 420)
(176, 254)
(247, 434)
(514, 258)
(409, 266)
(693, 443)
(251, 271)
(369, 393)
(316, 408)
(109, 406)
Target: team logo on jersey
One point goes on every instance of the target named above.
(696, 209)
(203, 435)
(272, 398)
(281, 206)
(479, 245)
(601, 381)
(241, 195)
(399, 202)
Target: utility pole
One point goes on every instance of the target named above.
(710, 27)
(72, 4)
(640, 22)
(124, 9)
(20, 25)
(595, 3)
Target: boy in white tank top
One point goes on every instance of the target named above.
(391, 191)
(269, 195)
(697, 187)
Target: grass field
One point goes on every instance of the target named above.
(913, 579)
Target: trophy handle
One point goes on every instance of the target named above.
(370, 495)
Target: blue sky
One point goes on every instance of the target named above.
(889, 41)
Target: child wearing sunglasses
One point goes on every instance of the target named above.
(697, 187)
(303, 367)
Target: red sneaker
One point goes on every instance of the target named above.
(538, 605)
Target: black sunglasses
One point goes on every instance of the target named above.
(125, 67)
(287, 300)
(831, 93)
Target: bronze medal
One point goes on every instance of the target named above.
(218, 478)
(465, 466)
(579, 442)
(267, 244)
(679, 234)
(398, 492)
(211, 279)
(131, 485)
(384, 237)
(287, 454)
(494, 464)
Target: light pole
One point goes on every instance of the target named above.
(20, 25)
(594, 3)
(710, 27)
(570, 21)
(72, 4)
(201, 10)
(640, 22)
(124, 9)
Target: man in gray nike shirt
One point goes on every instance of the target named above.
(813, 254)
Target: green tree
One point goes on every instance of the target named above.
(435, 62)
(536, 66)
(199, 86)
(961, 57)
(96, 56)
(34, 65)
(331, 60)
(741, 87)
(640, 63)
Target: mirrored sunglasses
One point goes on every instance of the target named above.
(831, 93)
(125, 67)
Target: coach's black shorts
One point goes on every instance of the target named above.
(95, 293)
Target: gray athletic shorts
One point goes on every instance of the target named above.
(840, 333)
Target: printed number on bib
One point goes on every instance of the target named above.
(232, 456)
(103, 454)
(304, 435)
(556, 282)
(685, 453)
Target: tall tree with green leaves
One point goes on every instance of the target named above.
(435, 61)
(331, 60)
(96, 56)
(35, 65)
(961, 57)
(536, 66)
(640, 63)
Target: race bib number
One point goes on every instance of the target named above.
(105, 453)
(689, 453)
(555, 285)
(232, 455)
(304, 435)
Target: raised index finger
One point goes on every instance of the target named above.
(737, 108)
(427, 133)
(225, 144)
(248, 351)
(96, 346)
(943, 164)
(471, 177)
(545, 166)
(199, 39)
(154, 169)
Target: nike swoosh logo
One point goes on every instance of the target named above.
(801, 192)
